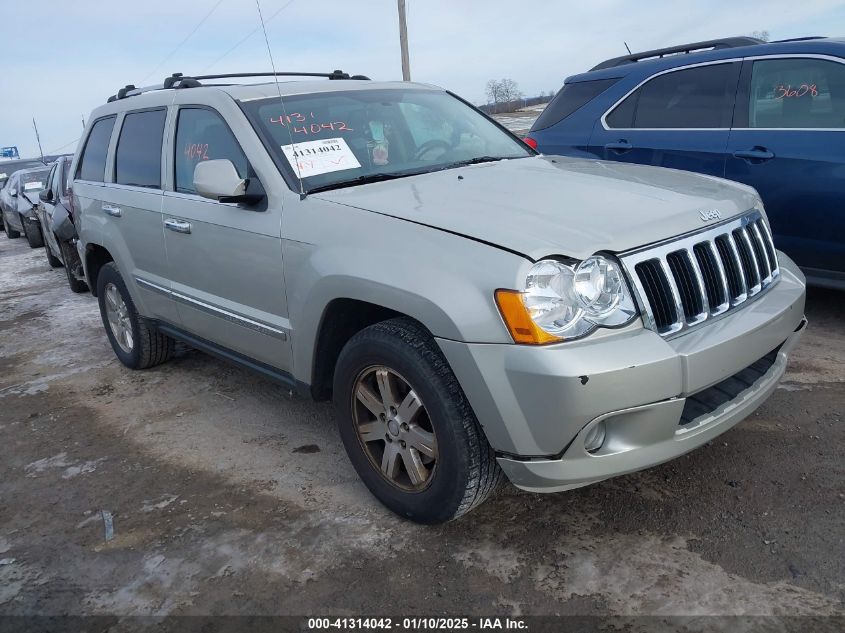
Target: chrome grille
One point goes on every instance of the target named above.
(685, 282)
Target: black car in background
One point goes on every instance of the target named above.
(18, 200)
(56, 219)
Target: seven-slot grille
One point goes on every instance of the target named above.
(685, 282)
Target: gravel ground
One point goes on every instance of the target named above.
(230, 496)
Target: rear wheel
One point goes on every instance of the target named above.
(32, 231)
(407, 426)
(135, 343)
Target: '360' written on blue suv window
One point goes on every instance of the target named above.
(333, 140)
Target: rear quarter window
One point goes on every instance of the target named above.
(92, 165)
(569, 99)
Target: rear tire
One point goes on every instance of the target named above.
(54, 261)
(10, 232)
(459, 470)
(135, 343)
(33, 233)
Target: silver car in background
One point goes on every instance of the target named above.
(18, 201)
(475, 310)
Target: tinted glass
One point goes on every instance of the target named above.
(138, 156)
(797, 93)
(203, 135)
(92, 166)
(569, 99)
(694, 98)
(341, 137)
(52, 178)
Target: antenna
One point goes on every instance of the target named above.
(38, 138)
(628, 48)
(279, 90)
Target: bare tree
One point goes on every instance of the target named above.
(502, 91)
(761, 35)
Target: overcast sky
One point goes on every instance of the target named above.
(61, 59)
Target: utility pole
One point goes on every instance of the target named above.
(403, 42)
(38, 138)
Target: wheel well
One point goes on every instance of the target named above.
(342, 319)
(95, 258)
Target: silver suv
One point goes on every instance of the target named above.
(475, 309)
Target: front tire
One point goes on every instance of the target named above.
(71, 262)
(135, 343)
(10, 232)
(407, 425)
(33, 233)
(54, 261)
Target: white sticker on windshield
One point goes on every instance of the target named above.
(29, 186)
(313, 158)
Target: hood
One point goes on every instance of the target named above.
(542, 206)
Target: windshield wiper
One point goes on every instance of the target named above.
(362, 180)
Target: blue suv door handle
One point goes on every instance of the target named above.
(756, 154)
(620, 147)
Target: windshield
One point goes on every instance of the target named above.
(345, 138)
(34, 181)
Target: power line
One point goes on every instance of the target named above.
(182, 43)
(248, 35)
(56, 151)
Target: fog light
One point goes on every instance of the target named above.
(595, 438)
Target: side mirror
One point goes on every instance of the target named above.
(219, 180)
(13, 193)
(45, 195)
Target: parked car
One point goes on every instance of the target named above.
(770, 115)
(18, 200)
(475, 310)
(8, 167)
(56, 220)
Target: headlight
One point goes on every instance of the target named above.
(566, 301)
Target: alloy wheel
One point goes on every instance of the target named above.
(394, 428)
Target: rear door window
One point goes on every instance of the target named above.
(138, 156)
(92, 165)
(569, 99)
(694, 98)
(202, 134)
(797, 94)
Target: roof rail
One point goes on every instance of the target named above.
(178, 80)
(728, 42)
(800, 39)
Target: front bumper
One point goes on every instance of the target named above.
(537, 404)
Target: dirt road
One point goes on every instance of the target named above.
(228, 495)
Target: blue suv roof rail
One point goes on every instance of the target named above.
(728, 42)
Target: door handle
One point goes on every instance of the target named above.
(112, 210)
(180, 226)
(620, 147)
(757, 153)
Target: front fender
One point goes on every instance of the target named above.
(444, 281)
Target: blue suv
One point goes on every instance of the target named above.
(770, 115)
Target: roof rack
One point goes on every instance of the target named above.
(728, 42)
(178, 80)
(806, 38)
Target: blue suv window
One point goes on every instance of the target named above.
(797, 93)
(569, 98)
(699, 97)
